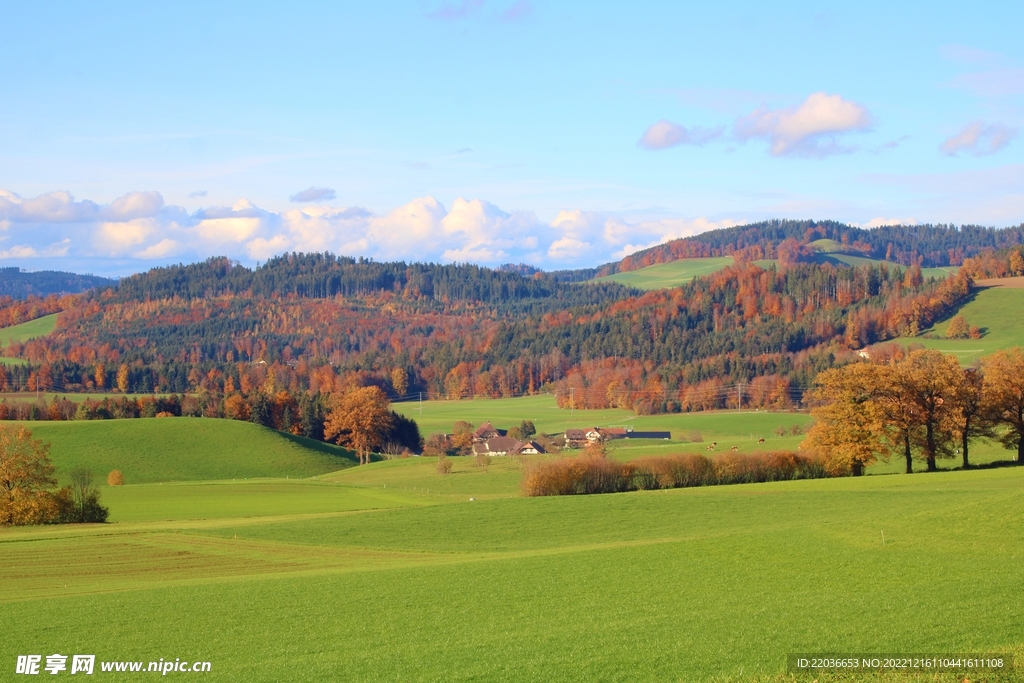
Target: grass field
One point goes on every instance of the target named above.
(40, 327)
(676, 273)
(671, 274)
(347, 580)
(440, 416)
(729, 429)
(184, 449)
(999, 312)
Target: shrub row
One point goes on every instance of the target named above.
(596, 474)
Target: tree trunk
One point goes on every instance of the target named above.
(906, 453)
(930, 455)
(858, 469)
(963, 446)
(1020, 451)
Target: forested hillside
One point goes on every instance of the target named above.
(19, 284)
(315, 323)
(907, 245)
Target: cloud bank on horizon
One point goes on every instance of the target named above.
(138, 230)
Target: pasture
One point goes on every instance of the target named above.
(340, 578)
(184, 449)
(742, 431)
(998, 311)
(40, 327)
(543, 410)
(671, 274)
(676, 273)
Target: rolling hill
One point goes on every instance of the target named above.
(185, 449)
(681, 271)
(997, 310)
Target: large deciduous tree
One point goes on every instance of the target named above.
(1003, 389)
(848, 424)
(359, 419)
(968, 412)
(930, 379)
(25, 475)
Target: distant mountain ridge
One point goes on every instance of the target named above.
(20, 284)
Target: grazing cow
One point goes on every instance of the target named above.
(714, 443)
(734, 449)
(760, 440)
(710, 448)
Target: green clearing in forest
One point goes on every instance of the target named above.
(40, 327)
(676, 273)
(998, 311)
(671, 274)
(705, 584)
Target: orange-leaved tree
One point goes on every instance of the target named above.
(931, 380)
(26, 474)
(359, 419)
(848, 428)
(1003, 396)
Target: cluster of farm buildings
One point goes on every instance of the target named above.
(489, 440)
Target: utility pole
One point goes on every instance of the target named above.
(739, 397)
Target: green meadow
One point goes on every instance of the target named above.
(364, 575)
(676, 273)
(671, 274)
(543, 410)
(40, 327)
(185, 449)
(998, 311)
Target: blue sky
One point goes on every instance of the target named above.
(555, 133)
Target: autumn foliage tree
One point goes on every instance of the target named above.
(359, 419)
(848, 424)
(1003, 396)
(26, 475)
(923, 402)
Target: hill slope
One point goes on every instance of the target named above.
(998, 311)
(679, 272)
(185, 449)
(19, 284)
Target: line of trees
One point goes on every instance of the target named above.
(922, 404)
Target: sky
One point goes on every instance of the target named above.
(559, 134)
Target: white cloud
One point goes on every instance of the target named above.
(133, 205)
(979, 139)
(19, 251)
(162, 249)
(807, 130)
(139, 226)
(313, 194)
(115, 238)
(665, 134)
